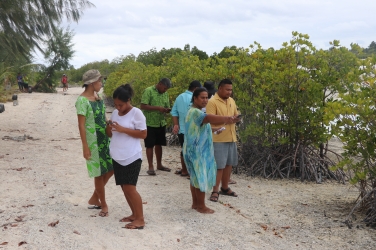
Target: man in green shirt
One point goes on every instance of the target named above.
(155, 104)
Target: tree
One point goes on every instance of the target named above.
(59, 50)
(371, 50)
(228, 51)
(24, 23)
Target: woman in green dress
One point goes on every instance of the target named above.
(91, 113)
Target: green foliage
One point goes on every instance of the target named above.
(58, 53)
(24, 23)
(355, 125)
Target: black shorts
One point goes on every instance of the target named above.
(181, 139)
(155, 136)
(127, 175)
(181, 142)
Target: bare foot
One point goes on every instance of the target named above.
(205, 210)
(94, 201)
(129, 218)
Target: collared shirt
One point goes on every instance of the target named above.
(152, 97)
(218, 106)
(181, 107)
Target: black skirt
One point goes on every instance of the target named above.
(127, 175)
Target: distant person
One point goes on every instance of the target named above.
(64, 81)
(178, 112)
(104, 81)
(198, 149)
(20, 82)
(91, 113)
(155, 104)
(225, 149)
(126, 127)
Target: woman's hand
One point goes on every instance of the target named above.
(87, 153)
(116, 127)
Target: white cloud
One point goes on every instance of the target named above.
(117, 27)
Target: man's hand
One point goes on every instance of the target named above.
(175, 130)
(164, 110)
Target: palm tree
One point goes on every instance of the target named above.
(23, 23)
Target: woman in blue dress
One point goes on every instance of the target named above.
(198, 149)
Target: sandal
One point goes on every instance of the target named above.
(226, 192)
(126, 219)
(164, 169)
(214, 198)
(151, 172)
(131, 226)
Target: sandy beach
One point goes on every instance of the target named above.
(43, 180)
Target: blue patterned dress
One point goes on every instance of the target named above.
(198, 151)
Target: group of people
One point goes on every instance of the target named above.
(205, 124)
(23, 86)
(207, 140)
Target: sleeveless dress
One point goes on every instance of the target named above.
(198, 151)
(97, 140)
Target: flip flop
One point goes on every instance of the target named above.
(164, 169)
(184, 175)
(94, 207)
(151, 172)
(125, 219)
(103, 214)
(130, 226)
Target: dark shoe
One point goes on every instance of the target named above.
(164, 169)
(228, 192)
(151, 172)
(214, 198)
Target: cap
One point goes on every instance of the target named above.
(194, 84)
(91, 76)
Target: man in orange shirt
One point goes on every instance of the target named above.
(64, 81)
(225, 150)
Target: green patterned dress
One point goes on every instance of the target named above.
(100, 161)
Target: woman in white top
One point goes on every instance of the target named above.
(126, 127)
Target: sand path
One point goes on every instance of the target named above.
(43, 179)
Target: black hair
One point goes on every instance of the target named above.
(194, 84)
(224, 82)
(166, 82)
(123, 93)
(210, 87)
(197, 92)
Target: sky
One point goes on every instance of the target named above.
(117, 27)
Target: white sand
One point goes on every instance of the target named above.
(53, 184)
